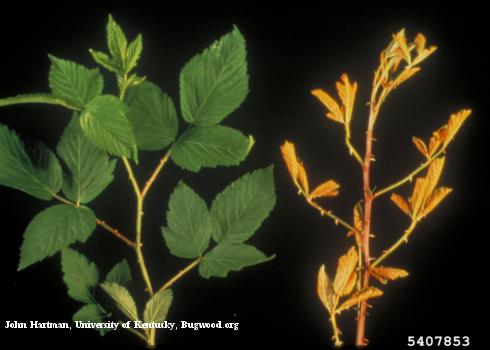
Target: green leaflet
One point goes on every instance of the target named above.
(52, 230)
(105, 124)
(80, 275)
(35, 98)
(189, 223)
(243, 205)
(116, 43)
(74, 83)
(210, 147)
(156, 308)
(153, 116)
(134, 52)
(214, 83)
(123, 299)
(226, 257)
(91, 170)
(105, 61)
(40, 180)
(92, 313)
(120, 274)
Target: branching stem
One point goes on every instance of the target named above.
(181, 274)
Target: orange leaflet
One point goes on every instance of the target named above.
(324, 290)
(345, 268)
(327, 189)
(366, 294)
(384, 274)
(334, 111)
(295, 167)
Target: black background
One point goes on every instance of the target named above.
(291, 49)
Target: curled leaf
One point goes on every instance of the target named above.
(334, 111)
(345, 268)
(327, 189)
(401, 40)
(435, 199)
(405, 75)
(347, 94)
(366, 294)
(384, 274)
(421, 146)
(295, 166)
(324, 289)
(401, 203)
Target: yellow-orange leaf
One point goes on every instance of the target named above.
(295, 167)
(420, 146)
(384, 274)
(434, 174)
(346, 266)
(401, 40)
(349, 286)
(418, 195)
(327, 189)
(366, 294)
(455, 122)
(436, 197)
(335, 112)
(401, 203)
(324, 289)
(424, 54)
(438, 138)
(405, 75)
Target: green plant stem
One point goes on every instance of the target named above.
(181, 274)
(398, 243)
(101, 223)
(155, 173)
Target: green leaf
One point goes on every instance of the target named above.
(91, 170)
(80, 275)
(243, 205)
(92, 313)
(105, 124)
(120, 274)
(210, 147)
(116, 43)
(156, 308)
(134, 52)
(214, 83)
(105, 61)
(153, 116)
(123, 299)
(35, 98)
(189, 223)
(226, 257)
(74, 83)
(40, 180)
(53, 229)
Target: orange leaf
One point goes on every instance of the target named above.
(349, 286)
(327, 189)
(424, 187)
(346, 266)
(366, 294)
(384, 274)
(295, 167)
(335, 113)
(347, 94)
(455, 122)
(324, 290)
(401, 203)
(405, 75)
(420, 146)
(357, 223)
(434, 174)
(437, 139)
(419, 42)
(424, 54)
(433, 201)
